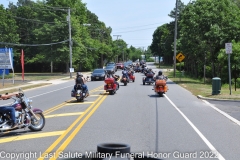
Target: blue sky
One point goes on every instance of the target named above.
(134, 20)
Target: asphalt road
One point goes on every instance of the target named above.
(176, 126)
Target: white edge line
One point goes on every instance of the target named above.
(223, 113)
(213, 149)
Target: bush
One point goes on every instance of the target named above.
(180, 66)
(150, 60)
(237, 82)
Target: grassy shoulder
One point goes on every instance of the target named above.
(16, 80)
(163, 66)
(197, 87)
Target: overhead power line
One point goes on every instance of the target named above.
(136, 30)
(15, 44)
(144, 25)
(33, 20)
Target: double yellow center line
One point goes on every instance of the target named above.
(85, 116)
(65, 103)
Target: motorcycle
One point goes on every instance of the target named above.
(78, 94)
(137, 69)
(124, 80)
(160, 86)
(131, 76)
(110, 86)
(148, 79)
(25, 115)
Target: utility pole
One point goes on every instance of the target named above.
(175, 39)
(70, 40)
(117, 39)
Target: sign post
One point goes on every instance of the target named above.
(228, 48)
(180, 57)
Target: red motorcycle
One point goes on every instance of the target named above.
(110, 86)
(131, 76)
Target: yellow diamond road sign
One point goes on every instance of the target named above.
(180, 57)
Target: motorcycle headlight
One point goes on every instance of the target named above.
(29, 102)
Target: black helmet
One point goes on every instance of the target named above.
(160, 73)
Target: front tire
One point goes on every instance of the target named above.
(37, 125)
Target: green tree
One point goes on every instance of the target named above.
(205, 28)
(8, 27)
(234, 60)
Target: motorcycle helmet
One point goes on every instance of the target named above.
(79, 74)
(160, 73)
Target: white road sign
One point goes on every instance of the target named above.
(228, 48)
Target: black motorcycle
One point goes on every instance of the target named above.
(78, 93)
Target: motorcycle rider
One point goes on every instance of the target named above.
(81, 80)
(160, 76)
(125, 72)
(112, 75)
(9, 109)
(150, 71)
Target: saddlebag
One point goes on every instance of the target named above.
(73, 93)
(109, 80)
(160, 82)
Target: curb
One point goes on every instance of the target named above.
(215, 99)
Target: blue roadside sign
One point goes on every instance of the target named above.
(6, 60)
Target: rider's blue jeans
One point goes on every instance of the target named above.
(9, 109)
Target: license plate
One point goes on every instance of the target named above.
(78, 94)
(97, 77)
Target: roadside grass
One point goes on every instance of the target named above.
(8, 79)
(39, 76)
(163, 66)
(197, 86)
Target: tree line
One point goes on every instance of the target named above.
(41, 30)
(203, 28)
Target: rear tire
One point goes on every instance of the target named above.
(160, 94)
(111, 92)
